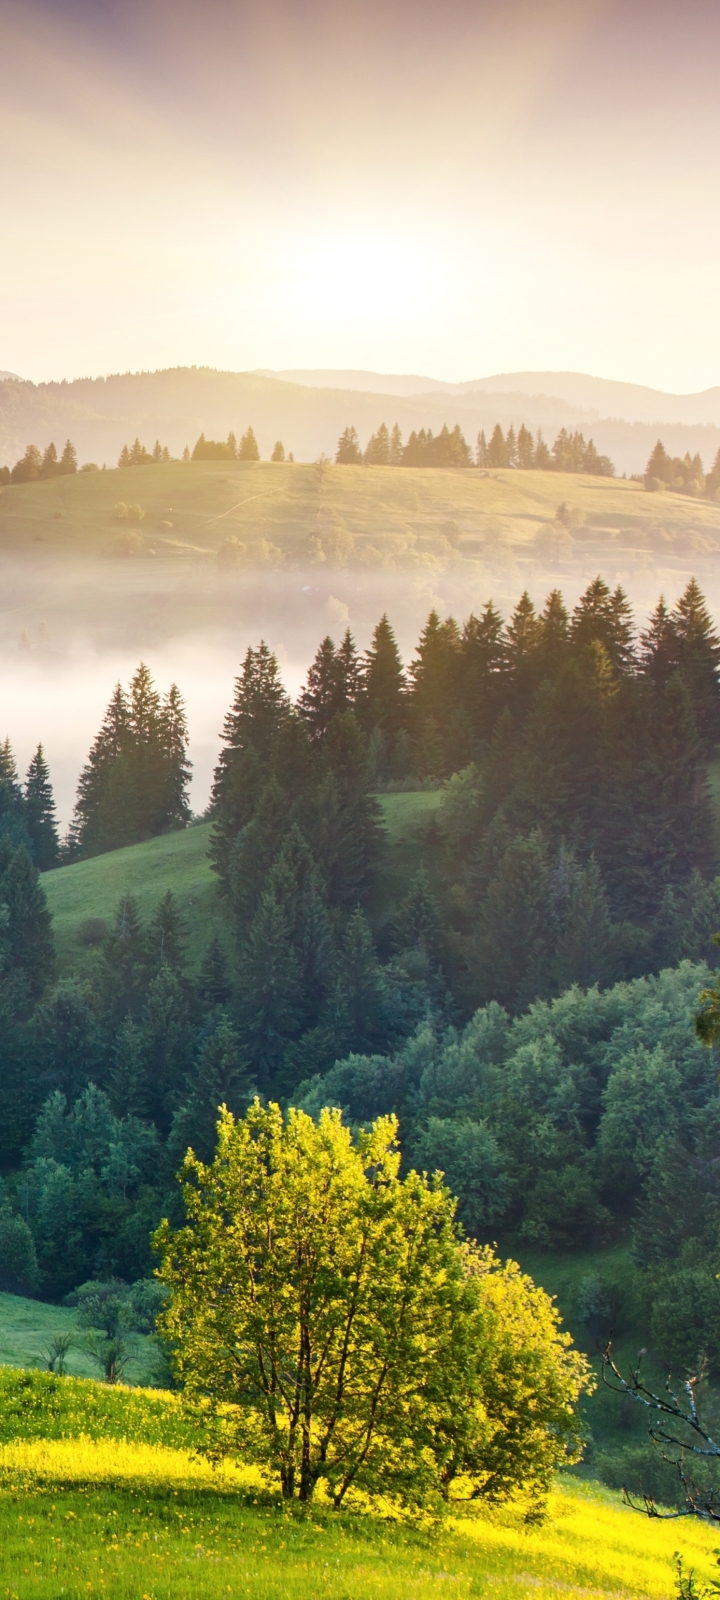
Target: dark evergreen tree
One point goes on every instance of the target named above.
(497, 454)
(515, 937)
(419, 925)
(377, 450)
(383, 703)
(260, 708)
(523, 637)
(122, 969)
(525, 448)
(13, 814)
(127, 1071)
(66, 1047)
(68, 459)
(360, 1004)
(435, 708)
(219, 1078)
(166, 937)
(344, 824)
(322, 697)
(483, 675)
(40, 813)
(659, 647)
(31, 950)
(248, 450)
(269, 990)
(49, 468)
(348, 453)
(134, 785)
(698, 657)
(606, 618)
(165, 1046)
(213, 981)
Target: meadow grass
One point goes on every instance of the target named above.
(101, 1493)
(179, 861)
(381, 516)
(28, 1326)
(143, 1522)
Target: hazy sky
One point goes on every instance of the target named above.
(458, 188)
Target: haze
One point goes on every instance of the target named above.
(455, 190)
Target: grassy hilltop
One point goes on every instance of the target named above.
(292, 550)
(349, 516)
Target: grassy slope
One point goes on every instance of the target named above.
(178, 861)
(100, 1494)
(28, 1326)
(394, 516)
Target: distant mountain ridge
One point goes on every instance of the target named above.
(175, 405)
(595, 397)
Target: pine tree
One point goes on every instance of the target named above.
(260, 708)
(124, 457)
(171, 735)
(525, 449)
(511, 447)
(377, 450)
(213, 982)
(396, 447)
(583, 952)
(698, 657)
(49, 468)
(278, 451)
(29, 925)
(40, 813)
(350, 670)
(606, 618)
(29, 467)
(248, 447)
(253, 851)
(383, 699)
(100, 808)
(348, 453)
(543, 458)
(554, 635)
(68, 459)
(13, 815)
(134, 785)
(515, 935)
(482, 458)
(220, 1078)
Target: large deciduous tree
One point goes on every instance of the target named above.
(356, 1337)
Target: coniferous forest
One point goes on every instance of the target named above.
(526, 1008)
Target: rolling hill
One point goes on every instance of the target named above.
(308, 411)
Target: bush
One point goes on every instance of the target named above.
(685, 1319)
(19, 1272)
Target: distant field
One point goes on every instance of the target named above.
(179, 862)
(347, 517)
(28, 1326)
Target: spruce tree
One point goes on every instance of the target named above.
(40, 813)
(13, 813)
(698, 657)
(122, 974)
(248, 450)
(68, 459)
(435, 696)
(383, 702)
(396, 447)
(269, 989)
(348, 453)
(166, 936)
(322, 697)
(606, 618)
(525, 448)
(165, 1046)
(49, 468)
(418, 924)
(126, 1076)
(360, 1002)
(659, 647)
(29, 925)
(213, 981)
(377, 450)
(497, 455)
(343, 824)
(554, 634)
(483, 674)
(278, 451)
(260, 707)
(219, 1078)
(523, 636)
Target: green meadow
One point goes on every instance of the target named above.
(90, 891)
(101, 1494)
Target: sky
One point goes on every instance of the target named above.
(460, 189)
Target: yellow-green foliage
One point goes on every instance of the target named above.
(361, 1343)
